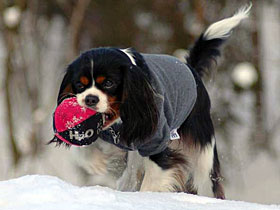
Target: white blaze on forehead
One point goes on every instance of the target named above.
(129, 55)
(91, 64)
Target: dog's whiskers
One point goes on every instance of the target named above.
(112, 111)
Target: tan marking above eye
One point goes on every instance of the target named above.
(100, 79)
(84, 80)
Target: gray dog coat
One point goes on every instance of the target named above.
(175, 94)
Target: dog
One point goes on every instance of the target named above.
(160, 108)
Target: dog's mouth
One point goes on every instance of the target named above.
(108, 119)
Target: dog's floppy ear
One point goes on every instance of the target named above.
(66, 86)
(138, 110)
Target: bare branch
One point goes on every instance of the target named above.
(76, 21)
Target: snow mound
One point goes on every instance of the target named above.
(50, 193)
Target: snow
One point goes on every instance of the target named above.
(37, 192)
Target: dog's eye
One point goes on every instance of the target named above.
(108, 84)
(79, 86)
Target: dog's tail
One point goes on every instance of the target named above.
(207, 48)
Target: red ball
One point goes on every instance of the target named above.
(76, 125)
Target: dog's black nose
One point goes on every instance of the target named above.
(91, 100)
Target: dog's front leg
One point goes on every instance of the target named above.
(133, 174)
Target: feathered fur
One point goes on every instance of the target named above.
(138, 111)
(206, 49)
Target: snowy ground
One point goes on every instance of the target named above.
(35, 192)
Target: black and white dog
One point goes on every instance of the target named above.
(161, 109)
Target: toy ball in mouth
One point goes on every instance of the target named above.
(74, 124)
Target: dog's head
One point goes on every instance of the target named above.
(114, 82)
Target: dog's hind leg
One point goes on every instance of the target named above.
(164, 172)
(216, 177)
(206, 172)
